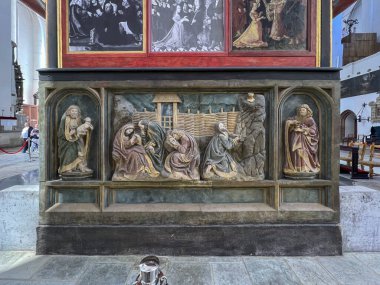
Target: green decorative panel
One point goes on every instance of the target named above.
(138, 196)
(298, 195)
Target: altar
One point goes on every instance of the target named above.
(229, 150)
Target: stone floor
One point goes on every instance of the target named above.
(24, 268)
(18, 169)
(21, 268)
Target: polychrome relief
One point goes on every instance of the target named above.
(301, 145)
(74, 144)
(183, 137)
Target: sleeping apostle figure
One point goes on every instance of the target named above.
(131, 160)
(153, 137)
(183, 160)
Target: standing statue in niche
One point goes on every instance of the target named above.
(73, 144)
(301, 145)
(183, 160)
(132, 161)
(251, 132)
(153, 137)
(218, 162)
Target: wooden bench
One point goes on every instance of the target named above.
(348, 139)
(348, 157)
(371, 163)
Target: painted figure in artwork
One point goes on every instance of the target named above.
(153, 138)
(250, 129)
(74, 143)
(130, 157)
(215, 13)
(301, 145)
(196, 23)
(176, 36)
(79, 18)
(183, 160)
(253, 36)
(217, 161)
(294, 21)
(239, 18)
(274, 14)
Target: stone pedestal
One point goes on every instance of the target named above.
(360, 218)
(18, 217)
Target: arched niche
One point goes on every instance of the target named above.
(56, 104)
(348, 126)
(322, 106)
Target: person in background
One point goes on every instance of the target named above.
(35, 133)
(34, 138)
(25, 135)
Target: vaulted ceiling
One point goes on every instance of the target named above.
(38, 6)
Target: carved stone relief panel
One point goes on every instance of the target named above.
(189, 136)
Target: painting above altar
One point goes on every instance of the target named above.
(269, 24)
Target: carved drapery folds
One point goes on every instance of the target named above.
(74, 137)
(301, 145)
(221, 141)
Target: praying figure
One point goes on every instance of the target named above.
(301, 145)
(183, 160)
(132, 161)
(218, 162)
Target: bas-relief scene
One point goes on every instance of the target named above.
(269, 24)
(105, 25)
(187, 25)
(189, 137)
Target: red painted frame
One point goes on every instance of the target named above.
(228, 58)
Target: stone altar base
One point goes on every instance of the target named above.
(272, 216)
(220, 240)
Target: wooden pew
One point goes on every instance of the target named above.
(362, 148)
(371, 163)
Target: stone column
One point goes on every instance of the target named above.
(6, 67)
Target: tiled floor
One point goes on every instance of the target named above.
(21, 268)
